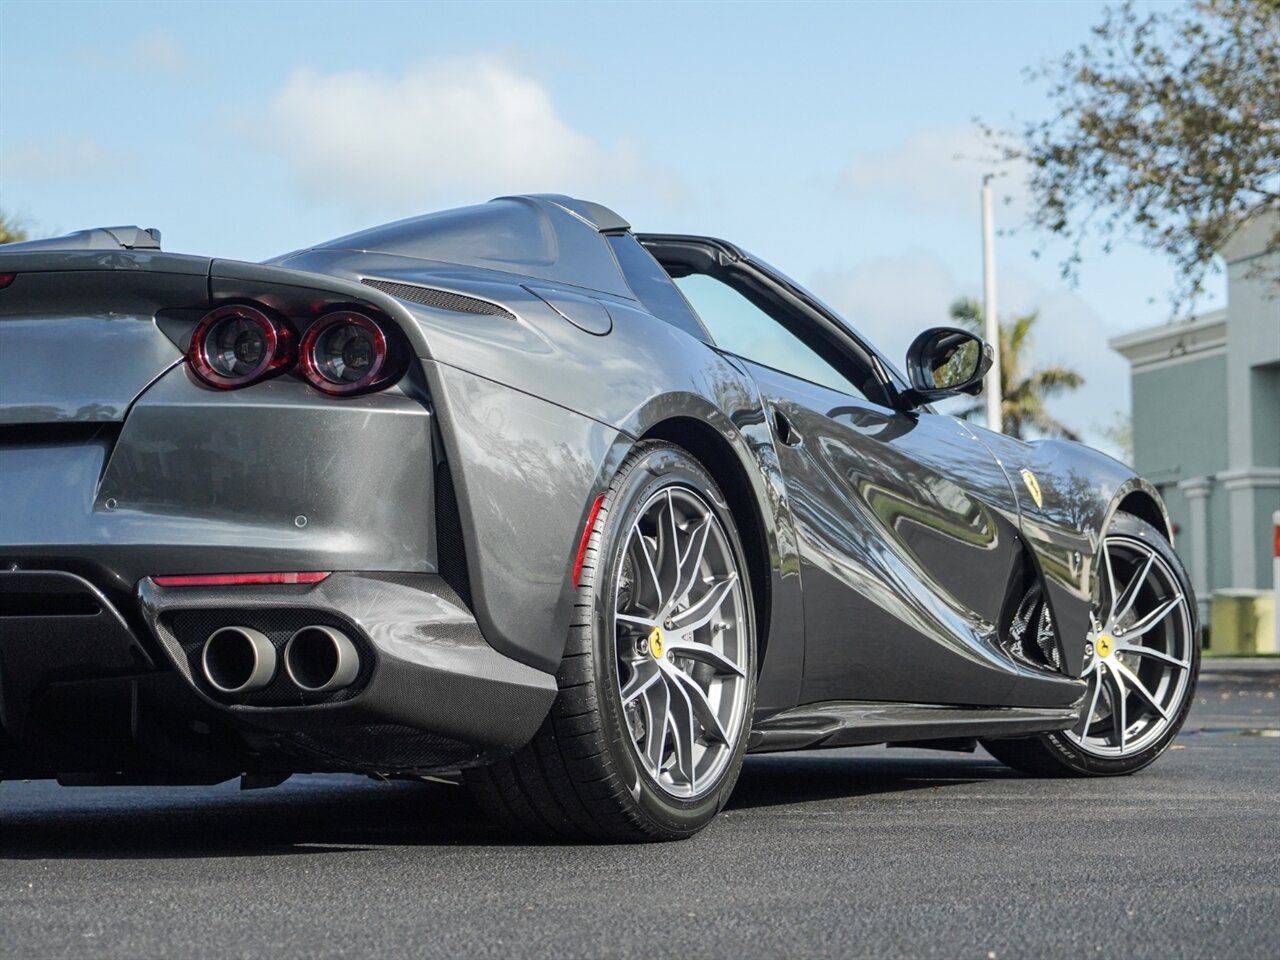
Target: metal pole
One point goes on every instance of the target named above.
(990, 313)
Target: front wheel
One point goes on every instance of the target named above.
(1142, 661)
(647, 736)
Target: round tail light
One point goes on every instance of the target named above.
(237, 345)
(344, 352)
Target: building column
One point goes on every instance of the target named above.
(1196, 490)
(1244, 490)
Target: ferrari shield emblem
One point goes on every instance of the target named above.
(1033, 486)
(656, 646)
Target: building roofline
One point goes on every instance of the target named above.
(1173, 342)
(1253, 237)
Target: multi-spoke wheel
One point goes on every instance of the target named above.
(681, 627)
(658, 682)
(1141, 659)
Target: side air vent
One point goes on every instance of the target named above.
(1032, 635)
(440, 299)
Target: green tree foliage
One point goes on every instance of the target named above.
(1165, 130)
(1022, 412)
(10, 230)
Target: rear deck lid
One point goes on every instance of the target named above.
(79, 341)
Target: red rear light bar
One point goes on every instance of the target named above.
(586, 539)
(237, 579)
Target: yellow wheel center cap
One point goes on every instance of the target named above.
(656, 645)
(1104, 645)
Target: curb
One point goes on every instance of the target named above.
(1233, 666)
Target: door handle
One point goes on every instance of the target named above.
(784, 431)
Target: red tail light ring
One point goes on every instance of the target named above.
(237, 345)
(344, 353)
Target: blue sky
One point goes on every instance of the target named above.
(824, 137)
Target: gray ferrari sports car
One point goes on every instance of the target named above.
(577, 514)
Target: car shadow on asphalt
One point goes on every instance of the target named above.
(780, 780)
(311, 815)
(318, 815)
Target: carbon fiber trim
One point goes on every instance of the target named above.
(853, 723)
(1032, 638)
(386, 747)
(440, 299)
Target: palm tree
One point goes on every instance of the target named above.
(1024, 395)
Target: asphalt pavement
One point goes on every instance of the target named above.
(850, 853)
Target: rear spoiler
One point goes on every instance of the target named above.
(96, 238)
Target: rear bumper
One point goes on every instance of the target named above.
(88, 688)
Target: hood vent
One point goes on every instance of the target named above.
(440, 299)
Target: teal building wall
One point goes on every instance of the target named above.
(1206, 419)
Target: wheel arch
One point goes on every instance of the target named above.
(1145, 504)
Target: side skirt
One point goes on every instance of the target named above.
(849, 724)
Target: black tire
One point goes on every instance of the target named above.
(580, 777)
(1059, 754)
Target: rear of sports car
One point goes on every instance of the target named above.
(230, 539)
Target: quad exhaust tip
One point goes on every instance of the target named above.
(238, 660)
(320, 659)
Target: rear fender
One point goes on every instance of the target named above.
(525, 472)
(527, 468)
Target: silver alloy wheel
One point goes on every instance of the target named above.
(680, 626)
(1139, 654)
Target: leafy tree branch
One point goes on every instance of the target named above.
(1165, 129)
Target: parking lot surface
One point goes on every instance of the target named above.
(848, 853)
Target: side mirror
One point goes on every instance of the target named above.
(943, 362)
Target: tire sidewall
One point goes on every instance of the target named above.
(656, 469)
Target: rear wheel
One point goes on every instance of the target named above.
(1142, 660)
(647, 736)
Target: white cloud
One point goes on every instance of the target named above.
(939, 171)
(469, 125)
(891, 299)
(160, 52)
(55, 159)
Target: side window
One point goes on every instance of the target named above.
(651, 284)
(739, 327)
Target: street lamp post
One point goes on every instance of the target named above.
(995, 418)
